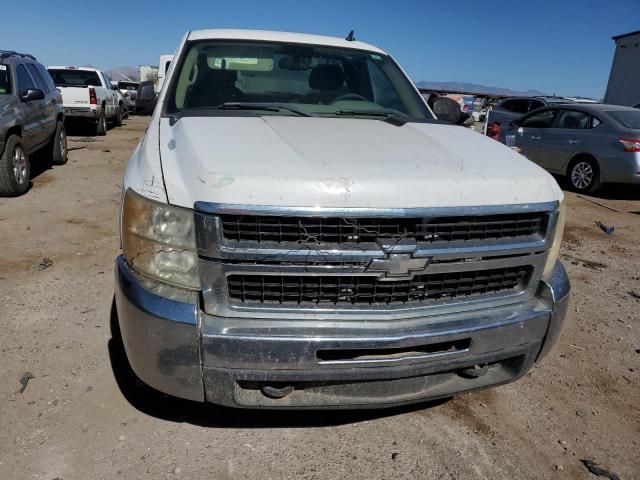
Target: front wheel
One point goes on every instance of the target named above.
(584, 175)
(15, 169)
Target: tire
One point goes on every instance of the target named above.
(101, 126)
(118, 120)
(58, 148)
(15, 168)
(583, 175)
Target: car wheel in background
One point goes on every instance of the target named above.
(58, 149)
(584, 175)
(15, 169)
(101, 126)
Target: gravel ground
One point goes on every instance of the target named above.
(81, 417)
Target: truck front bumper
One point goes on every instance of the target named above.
(173, 346)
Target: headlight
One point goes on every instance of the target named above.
(554, 251)
(158, 240)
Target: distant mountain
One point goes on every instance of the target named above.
(475, 88)
(117, 73)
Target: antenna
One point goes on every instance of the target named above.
(123, 75)
(351, 37)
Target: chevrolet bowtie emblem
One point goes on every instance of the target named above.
(398, 265)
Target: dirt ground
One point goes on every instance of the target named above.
(80, 417)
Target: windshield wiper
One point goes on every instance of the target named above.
(390, 116)
(265, 106)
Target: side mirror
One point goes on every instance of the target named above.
(448, 110)
(31, 95)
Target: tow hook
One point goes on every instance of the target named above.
(476, 371)
(276, 392)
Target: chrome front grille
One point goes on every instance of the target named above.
(367, 290)
(301, 229)
(278, 262)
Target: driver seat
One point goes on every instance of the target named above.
(213, 86)
(327, 81)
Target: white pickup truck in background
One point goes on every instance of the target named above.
(129, 90)
(87, 94)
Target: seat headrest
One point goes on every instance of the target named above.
(326, 77)
(570, 122)
(223, 77)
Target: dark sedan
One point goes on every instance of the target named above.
(590, 144)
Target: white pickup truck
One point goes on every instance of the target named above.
(299, 230)
(88, 95)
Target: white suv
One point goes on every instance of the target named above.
(299, 230)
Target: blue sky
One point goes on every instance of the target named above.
(561, 46)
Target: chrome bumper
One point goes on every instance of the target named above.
(176, 348)
(81, 112)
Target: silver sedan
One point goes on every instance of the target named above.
(589, 144)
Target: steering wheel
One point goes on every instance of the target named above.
(350, 96)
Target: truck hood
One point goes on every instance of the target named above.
(342, 162)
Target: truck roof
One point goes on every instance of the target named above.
(273, 36)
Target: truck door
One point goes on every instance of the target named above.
(32, 110)
(563, 140)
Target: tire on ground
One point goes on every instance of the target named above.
(118, 120)
(583, 174)
(9, 184)
(58, 147)
(101, 126)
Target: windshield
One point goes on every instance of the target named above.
(628, 118)
(5, 83)
(128, 86)
(75, 78)
(311, 79)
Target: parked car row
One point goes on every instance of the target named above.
(36, 101)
